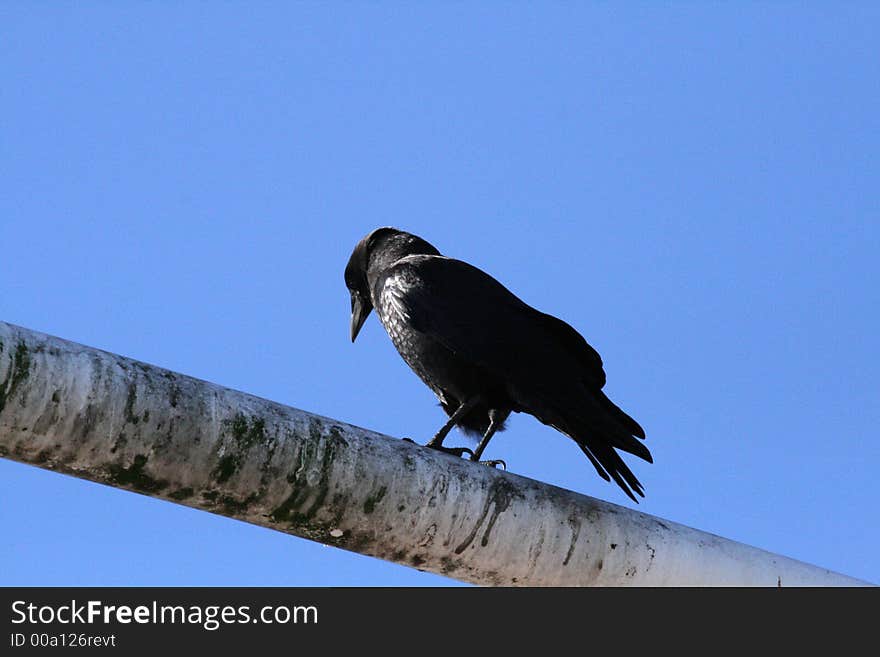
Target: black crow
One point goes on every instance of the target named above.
(485, 353)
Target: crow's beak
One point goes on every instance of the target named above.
(359, 312)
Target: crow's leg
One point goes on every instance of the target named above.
(496, 419)
(437, 441)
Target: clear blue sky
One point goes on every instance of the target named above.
(693, 186)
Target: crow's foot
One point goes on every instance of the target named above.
(454, 451)
(495, 463)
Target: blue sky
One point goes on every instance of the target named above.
(694, 186)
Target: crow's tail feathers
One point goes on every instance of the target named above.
(620, 417)
(608, 462)
(598, 429)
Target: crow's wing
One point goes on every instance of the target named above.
(479, 319)
(547, 367)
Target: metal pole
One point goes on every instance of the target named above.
(124, 423)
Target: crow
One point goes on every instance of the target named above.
(485, 353)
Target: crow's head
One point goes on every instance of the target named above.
(372, 255)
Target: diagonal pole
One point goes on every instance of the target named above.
(117, 421)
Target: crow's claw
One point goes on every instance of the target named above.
(454, 451)
(495, 463)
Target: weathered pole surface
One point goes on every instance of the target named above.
(124, 423)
